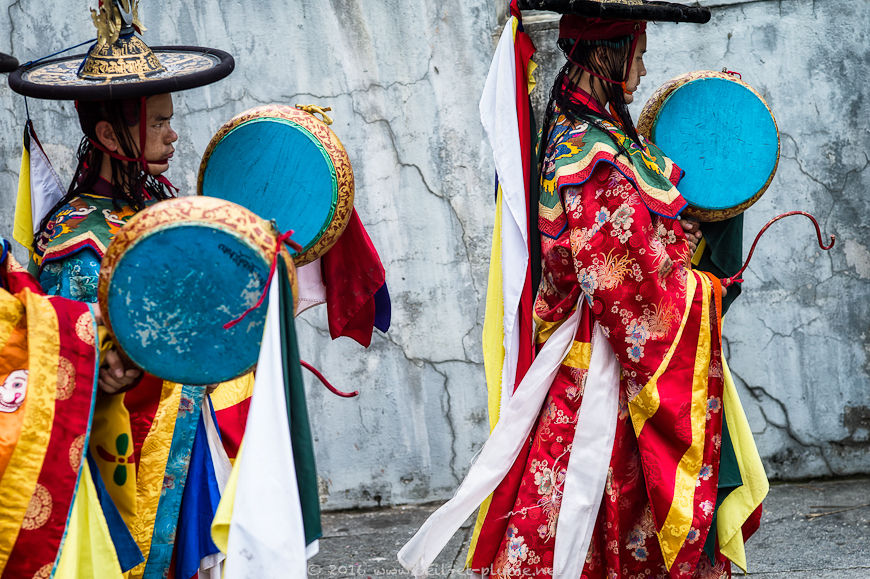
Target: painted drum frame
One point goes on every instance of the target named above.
(649, 115)
(217, 214)
(334, 149)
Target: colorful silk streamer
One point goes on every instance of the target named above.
(508, 346)
(38, 188)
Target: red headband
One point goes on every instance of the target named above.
(578, 27)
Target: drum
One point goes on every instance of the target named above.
(286, 165)
(175, 274)
(721, 132)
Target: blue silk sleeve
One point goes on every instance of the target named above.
(75, 277)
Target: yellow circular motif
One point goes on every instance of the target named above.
(44, 571)
(75, 452)
(85, 328)
(66, 378)
(38, 510)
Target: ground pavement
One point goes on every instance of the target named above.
(817, 529)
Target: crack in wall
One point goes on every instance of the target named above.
(394, 141)
(362, 422)
(447, 410)
(777, 334)
(416, 168)
(760, 394)
(830, 189)
(16, 4)
(323, 332)
(422, 361)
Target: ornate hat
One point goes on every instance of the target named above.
(120, 65)
(7, 63)
(623, 9)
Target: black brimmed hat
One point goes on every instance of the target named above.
(7, 63)
(622, 9)
(120, 65)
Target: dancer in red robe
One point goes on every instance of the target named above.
(613, 456)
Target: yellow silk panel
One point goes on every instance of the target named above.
(679, 520)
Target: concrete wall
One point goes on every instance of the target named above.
(403, 79)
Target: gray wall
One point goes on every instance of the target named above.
(403, 79)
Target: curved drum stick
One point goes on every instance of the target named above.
(736, 277)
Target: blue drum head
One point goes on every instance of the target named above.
(170, 295)
(722, 134)
(277, 171)
(285, 165)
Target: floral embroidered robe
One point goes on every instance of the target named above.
(629, 271)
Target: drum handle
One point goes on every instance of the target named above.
(314, 110)
(736, 277)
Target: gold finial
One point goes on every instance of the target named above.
(115, 17)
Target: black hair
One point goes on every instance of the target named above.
(606, 58)
(132, 185)
(610, 63)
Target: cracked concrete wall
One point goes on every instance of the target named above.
(403, 79)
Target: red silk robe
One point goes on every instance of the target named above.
(632, 270)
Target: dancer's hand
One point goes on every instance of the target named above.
(692, 229)
(115, 375)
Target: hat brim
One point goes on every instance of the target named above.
(648, 11)
(7, 63)
(186, 67)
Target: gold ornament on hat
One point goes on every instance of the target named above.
(113, 16)
(119, 53)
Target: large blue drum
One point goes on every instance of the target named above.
(286, 165)
(175, 274)
(721, 132)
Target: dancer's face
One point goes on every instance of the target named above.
(637, 71)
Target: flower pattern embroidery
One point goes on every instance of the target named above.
(186, 405)
(714, 405)
(707, 508)
(705, 473)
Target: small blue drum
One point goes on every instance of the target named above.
(721, 132)
(175, 274)
(286, 165)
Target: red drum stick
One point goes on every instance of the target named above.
(736, 277)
